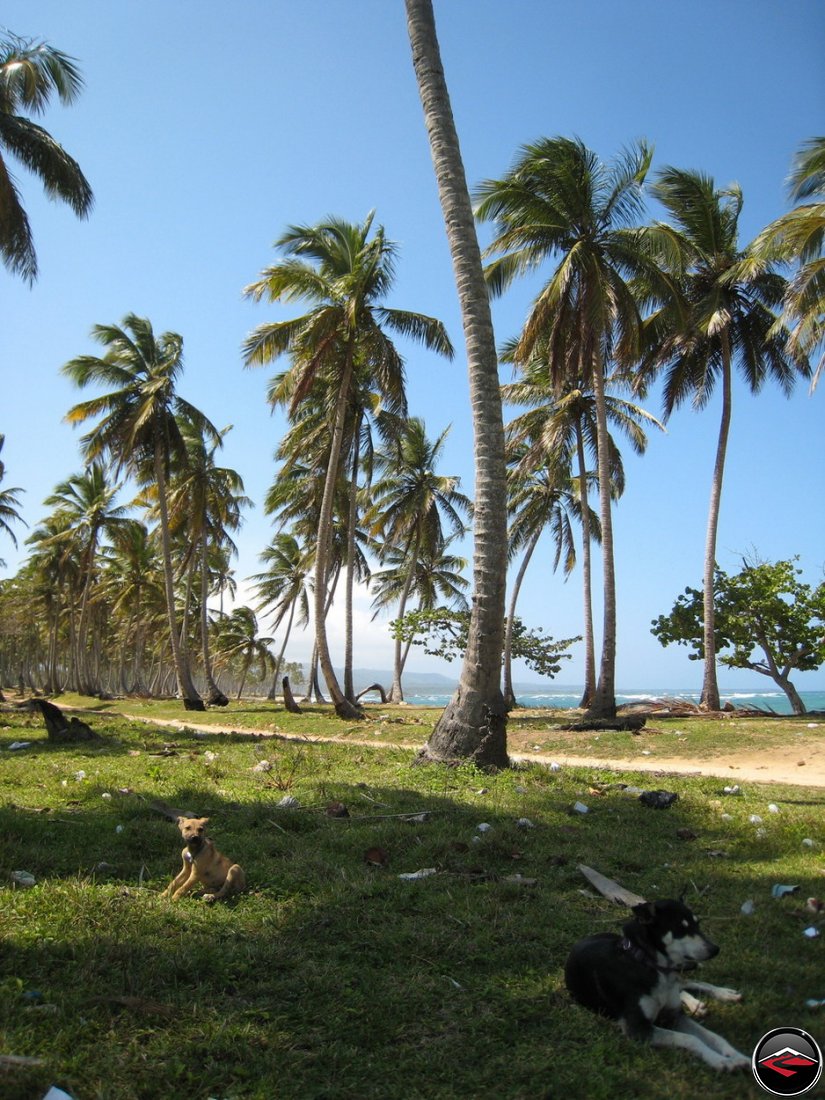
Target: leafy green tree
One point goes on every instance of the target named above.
(474, 723)
(799, 236)
(139, 431)
(411, 506)
(344, 273)
(445, 632)
(30, 73)
(9, 504)
(722, 315)
(559, 201)
(769, 620)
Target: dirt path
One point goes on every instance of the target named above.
(804, 767)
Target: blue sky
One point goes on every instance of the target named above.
(204, 133)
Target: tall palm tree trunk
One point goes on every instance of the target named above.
(710, 686)
(343, 707)
(587, 578)
(474, 723)
(187, 689)
(509, 694)
(349, 688)
(399, 657)
(604, 701)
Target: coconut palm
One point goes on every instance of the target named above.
(237, 640)
(30, 73)
(9, 504)
(139, 431)
(723, 316)
(344, 273)
(87, 501)
(411, 507)
(474, 723)
(283, 589)
(560, 201)
(799, 236)
(54, 569)
(542, 498)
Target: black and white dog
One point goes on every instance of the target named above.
(636, 978)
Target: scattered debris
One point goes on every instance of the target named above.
(15, 745)
(815, 905)
(735, 789)
(812, 1002)
(658, 800)
(748, 908)
(9, 1060)
(376, 857)
(773, 808)
(808, 842)
(580, 808)
(424, 872)
(288, 802)
(262, 766)
(755, 819)
(610, 889)
(780, 891)
(483, 827)
(812, 933)
(23, 878)
(525, 823)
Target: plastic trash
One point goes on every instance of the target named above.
(780, 891)
(773, 808)
(15, 745)
(23, 878)
(755, 819)
(525, 823)
(735, 789)
(555, 766)
(808, 842)
(424, 872)
(748, 908)
(483, 827)
(289, 802)
(262, 766)
(811, 933)
(813, 1002)
(55, 1093)
(580, 808)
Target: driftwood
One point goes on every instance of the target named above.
(632, 724)
(610, 889)
(372, 687)
(58, 729)
(289, 698)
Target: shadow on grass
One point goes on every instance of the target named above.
(335, 978)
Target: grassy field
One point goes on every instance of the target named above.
(332, 977)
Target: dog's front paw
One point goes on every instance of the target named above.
(209, 898)
(693, 1006)
(737, 1061)
(728, 996)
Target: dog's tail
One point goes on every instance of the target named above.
(171, 813)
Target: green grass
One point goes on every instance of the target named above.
(331, 978)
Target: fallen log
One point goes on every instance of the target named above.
(632, 724)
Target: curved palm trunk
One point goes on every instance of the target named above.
(604, 701)
(474, 723)
(343, 707)
(509, 694)
(272, 694)
(587, 578)
(187, 689)
(710, 685)
(400, 655)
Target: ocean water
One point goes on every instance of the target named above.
(771, 701)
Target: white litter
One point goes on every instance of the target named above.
(18, 745)
(483, 827)
(23, 878)
(748, 908)
(525, 823)
(424, 872)
(772, 806)
(289, 802)
(755, 819)
(580, 808)
(808, 842)
(262, 766)
(811, 932)
(555, 766)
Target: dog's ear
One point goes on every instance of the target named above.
(645, 912)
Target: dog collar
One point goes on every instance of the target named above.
(646, 958)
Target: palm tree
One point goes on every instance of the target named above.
(560, 201)
(344, 274)
(474, 723)
(30, 72)
(139, 430)
(55, 571)
(9, 503)
(722, 316)
(237, 639)
(542, 498)
(283, 589)
(411, 505)
(799, 235)
(206, 501)
(87, 502)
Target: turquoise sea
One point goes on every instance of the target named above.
(771, 701)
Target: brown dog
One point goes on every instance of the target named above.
(203, 865)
